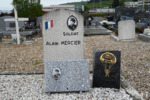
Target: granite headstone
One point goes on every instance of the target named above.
(106, 69)
(65, 67)
(66, 76)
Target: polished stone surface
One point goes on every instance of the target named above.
(106, 69)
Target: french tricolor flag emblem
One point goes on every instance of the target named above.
(49, 24)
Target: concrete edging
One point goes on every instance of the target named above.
(130, 90)
(116, 38)
(21, 72)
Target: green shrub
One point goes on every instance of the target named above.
(138, 29)
(97, 14)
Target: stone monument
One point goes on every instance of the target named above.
(65, 67)
(60, 38)
(106, 69)
(145, 36)
(126, 30)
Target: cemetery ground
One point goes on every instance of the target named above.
(135, 60)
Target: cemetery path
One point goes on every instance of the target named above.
(135, 58)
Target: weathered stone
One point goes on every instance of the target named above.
(130, 90)
(144, 37)
(126, 30)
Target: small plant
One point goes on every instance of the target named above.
(138, 30)
(104, 18)
(21, 40)
(126, 77)
(36, 62)
(105, 25)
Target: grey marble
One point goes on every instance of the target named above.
(72, 76)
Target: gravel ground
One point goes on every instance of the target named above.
(21, 57)
(135, 58)
(31, 87)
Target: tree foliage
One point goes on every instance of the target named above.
(115, 3)
(28, 8)
(121, 3)
(95, 1)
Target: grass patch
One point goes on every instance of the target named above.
(36, 62)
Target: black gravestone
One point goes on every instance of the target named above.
(106, 69)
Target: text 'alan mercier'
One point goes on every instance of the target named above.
(76, 42)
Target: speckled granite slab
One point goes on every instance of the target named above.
(67, 76)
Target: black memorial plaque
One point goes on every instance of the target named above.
(106, 69)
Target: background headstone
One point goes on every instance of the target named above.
(142, 17)
(126, 30)
(106, 69)
(145, 36)
(60, 42)
(123, 11)
(146, 31)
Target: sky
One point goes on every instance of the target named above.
(6, 4)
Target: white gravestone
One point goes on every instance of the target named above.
(65, 67)
(146, 31)
(61, 41)
(145, 36)
(126, 30)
